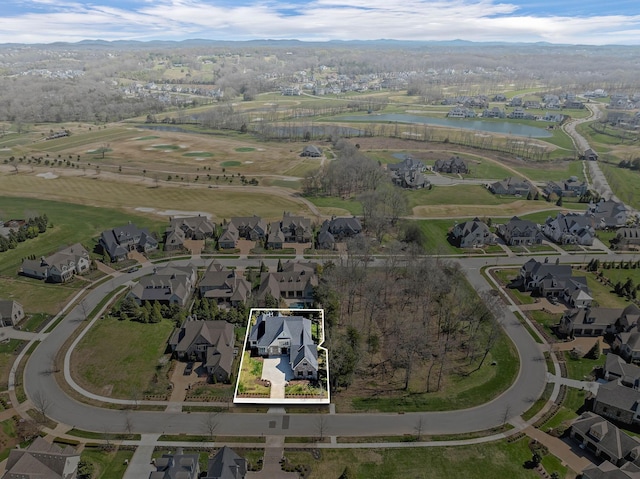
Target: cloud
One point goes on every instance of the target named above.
(475, 20)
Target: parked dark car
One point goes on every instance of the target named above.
(188, 369)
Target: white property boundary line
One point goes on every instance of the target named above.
(289, 401)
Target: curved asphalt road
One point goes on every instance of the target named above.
(526, 389)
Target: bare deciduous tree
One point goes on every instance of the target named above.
(42, 404)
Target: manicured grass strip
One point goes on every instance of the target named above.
(102, 435)
(230, 163)
(245, 149)
(539, 404)
(333, 204)
(480, 461)
(167, 147)
(198, 154)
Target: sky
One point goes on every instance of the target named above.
(587, 22)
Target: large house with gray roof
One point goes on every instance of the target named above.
(118, 242)
(618, 402)
(11, 312)
(554, 280)
(211, 342)
(571, 228)
(194, 227)
(224, 285)
(455, 165)
(288, 336)
(608, 214)
(594, 322)
(518, 232)
(604, 439)
(226, 464)
(627, 238)
(42, 460)
(617, 369)
(177, 466)
(167, 285)
(295, 284)
(251, 228)
(511, 187)
(337, 229)
(569, 187)
(471, 234)
(59, 267)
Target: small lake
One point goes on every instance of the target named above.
(478, 125)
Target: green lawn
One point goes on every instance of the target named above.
(624, 183)
(550, 171)
(457, 195)
(71, 224)
(582, 368)
(198, 154)
(621, 274)
(37, 296)
(547, 320)
(334, 205)
(435, 234)
(7, 357)
(108, 465)
(34, 322)
(603, 294)
(121, 358)
(481, 461)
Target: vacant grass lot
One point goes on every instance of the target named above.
(468, 201)
(108, 465)
(616, 274)
(221, 202)
(603, 294)
(37, 296)
(332, 205)
(496, 459)
(624, 183)
(120, 358)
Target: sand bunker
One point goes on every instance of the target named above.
(173, 213)
(47, 176)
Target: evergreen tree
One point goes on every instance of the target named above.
(594, 352)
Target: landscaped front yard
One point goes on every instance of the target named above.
(251, 384)
(123, 359)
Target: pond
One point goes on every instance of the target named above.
(507, 127)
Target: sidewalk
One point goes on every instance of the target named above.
(140, 466)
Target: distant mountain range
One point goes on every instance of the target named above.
(382, 43)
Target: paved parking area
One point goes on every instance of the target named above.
(277, 371)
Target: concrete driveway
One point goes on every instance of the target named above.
(277, 371)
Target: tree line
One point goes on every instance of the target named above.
(411, 323)
(31, 229)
